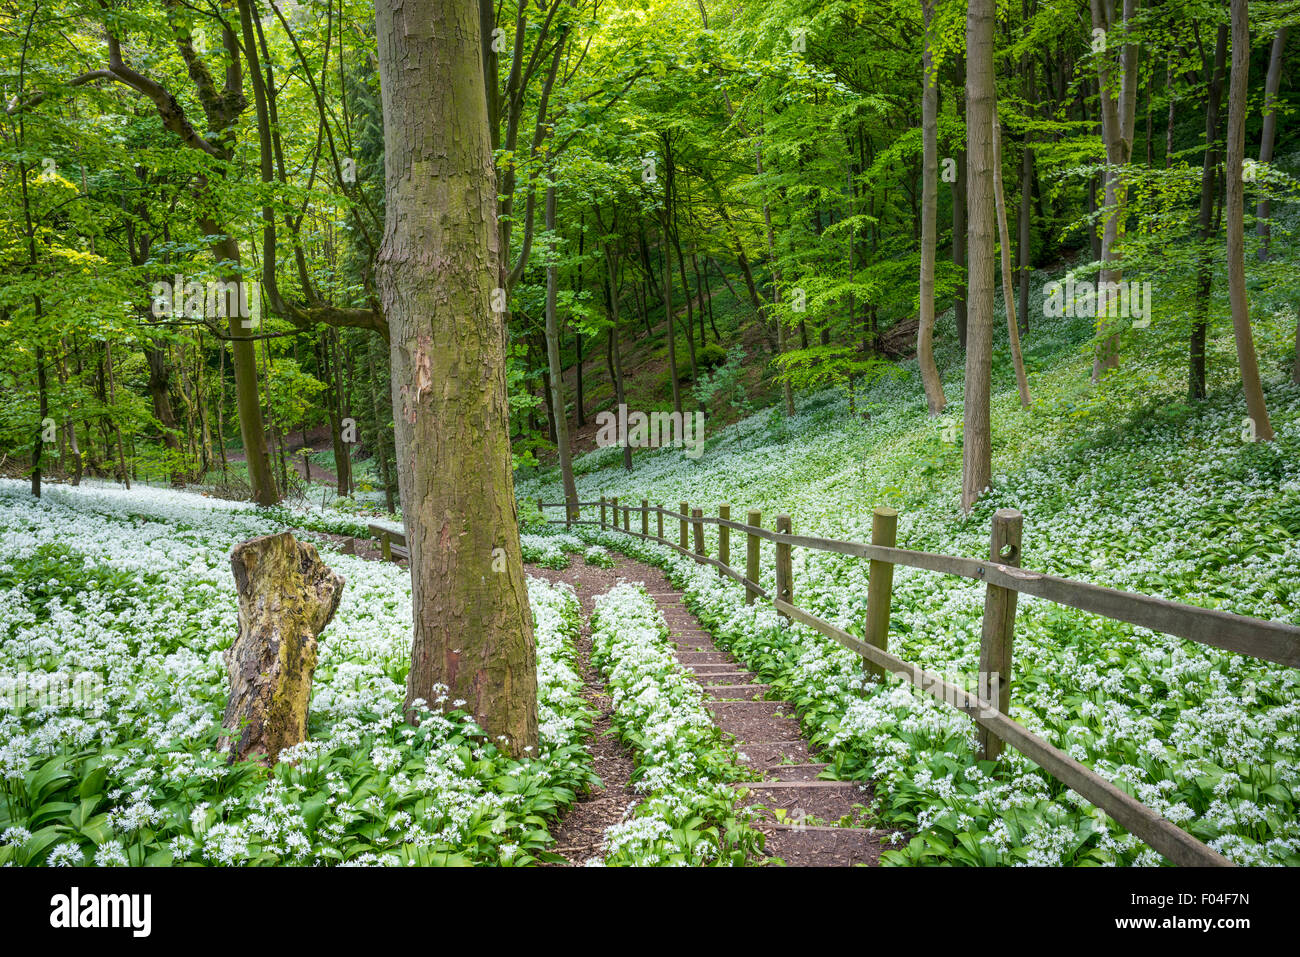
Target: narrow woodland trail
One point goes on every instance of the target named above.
(798, 810)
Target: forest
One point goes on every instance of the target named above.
(650, 432)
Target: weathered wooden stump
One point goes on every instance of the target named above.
(287, 596)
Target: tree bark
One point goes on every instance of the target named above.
(287, 596)
(977, 466)
(1236, 202)
(613, 355)
(159, 386)
(1117, 119)
(1205, 220)
(1268, 133)
(557, 370)
(1008, 288)
(1026, 197)
(436, 273)
(930, 381)
(669, 327)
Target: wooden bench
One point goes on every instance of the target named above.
(392, 540)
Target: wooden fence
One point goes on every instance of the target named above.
(1005, 580)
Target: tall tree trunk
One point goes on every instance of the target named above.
(342, 376)
(1117, 119)
(1205, 220)
(159, 386)
(557, 370)
(959, 259)
(1023, 250)
(112, 401)
(977, 465)
(581, 417)
(70, 422)
(43, 398)
(436, 273)
(613, 354)
(670, 229)
(787, 393)
(1172, 111)
(933, 385)
(1008, 289)
(1236, 202)
(335, 415)
(1268, 133)
(248, 402)
(669, 327)
(959, 307)
(381, 427)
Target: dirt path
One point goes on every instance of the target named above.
(579, 835)
(807, 820)
(799, 811)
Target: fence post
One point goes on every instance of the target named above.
(784, 567)
(755, 519)
(645, 517)
(602, 513)
(880, 584)
(627, 519)
(681, 531)
(724, 537)
(698, 527)
(540, 509)
(613, 512)
(997, 638)
(659, 525)
(385, 545)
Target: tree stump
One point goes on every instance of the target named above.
(287, 596)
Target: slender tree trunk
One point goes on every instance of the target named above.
(221, 409)
(557, 370)
(1008, 289)
(244, 360)
(670, 229)
(787, 392)
(159, 386)
(612, 352)
(436, 273)
(577, 333)
(959, 220)
(1268, 133)
(669, 327)
(112, 401)
(70, 423)
(1205, 220)
(933, 385)
(1023, 251)
(977, 465)
(1117, 119)
(43, 399)
(1236, 202)
(381, 427)
(1171, 114)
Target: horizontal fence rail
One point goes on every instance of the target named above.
(1005, 579)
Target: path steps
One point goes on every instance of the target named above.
(797, 806)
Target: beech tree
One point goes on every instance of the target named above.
(933, 385)
(1260, 426)
(438, 266)
(977, 464)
